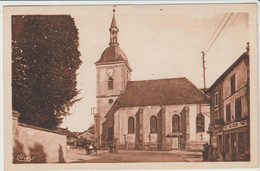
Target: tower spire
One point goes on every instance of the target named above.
(113, 30)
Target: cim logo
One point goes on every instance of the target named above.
(23, 158)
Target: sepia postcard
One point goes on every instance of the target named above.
(140, 86)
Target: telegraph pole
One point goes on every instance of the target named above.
(204, 68)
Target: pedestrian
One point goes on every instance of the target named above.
(91, 149)
(224, 154)
(111, 148)
(115, 146)
(95, 149)
(205, 152)
(87, 149)
(211, 154)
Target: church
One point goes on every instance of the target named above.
(161, 114)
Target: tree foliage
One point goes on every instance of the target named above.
(45, 58)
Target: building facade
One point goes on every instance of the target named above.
(230, 112)
(88, 134)
(158, 114)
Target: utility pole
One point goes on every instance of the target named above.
(204, 68)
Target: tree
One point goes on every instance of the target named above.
(45, 58)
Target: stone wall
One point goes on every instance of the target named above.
(37, 145)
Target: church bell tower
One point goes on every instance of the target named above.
(113, 73)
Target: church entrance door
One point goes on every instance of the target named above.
(175, 142)
(110, 134)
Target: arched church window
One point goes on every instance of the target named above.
(200, 123)
(110, 83)
(131, 125)
(153, 124)
(175, 123)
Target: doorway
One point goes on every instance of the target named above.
(175, 142)
(233, 146)
(110, 134)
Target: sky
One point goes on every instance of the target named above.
(159, 41)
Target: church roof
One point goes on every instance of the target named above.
(112, 54)
(172, 91)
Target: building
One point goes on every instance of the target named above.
(88, 134)
(71, 137)
(158, 114)
(229, 112)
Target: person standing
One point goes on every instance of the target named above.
(87, 149)
(115, 146)
(90, 149)
(224, 154)
(95, 148)
(205, 152)
(111, 148)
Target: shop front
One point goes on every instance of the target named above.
(236, 141)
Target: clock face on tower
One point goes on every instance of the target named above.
(110, 71)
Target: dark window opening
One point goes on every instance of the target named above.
(227, 143)
(232, 84)
(228, 113)
(241, 143)
(110, 83)
(220, 143)
(153, 124)
(216, 99)
(131, 127)
(110, 134)
(238, 108)
(200, 123)
(175, 123)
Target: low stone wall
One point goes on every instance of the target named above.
(37, 145)
(194, 145)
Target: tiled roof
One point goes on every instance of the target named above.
(172, 91)
(112, 54)
(66, 131)
(91, 130)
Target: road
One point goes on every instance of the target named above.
(79, 156)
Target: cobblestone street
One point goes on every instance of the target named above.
(79, 156)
